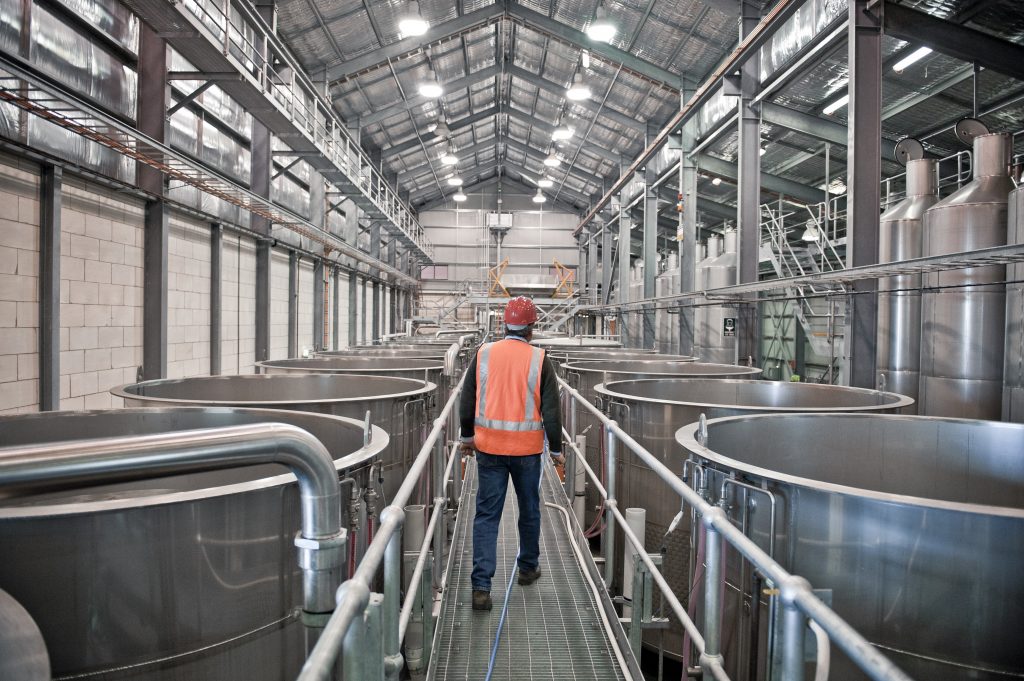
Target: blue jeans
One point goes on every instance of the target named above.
(493, 473)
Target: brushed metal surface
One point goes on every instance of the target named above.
(963, 328)
(196, 570)
(23, 655)
(899, 313)
(400, 406)
(1013, 362)
(915, 524)
(710, 342)
(653, 410)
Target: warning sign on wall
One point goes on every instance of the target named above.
(729, 326)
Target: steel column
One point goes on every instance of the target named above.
(216, 243)
(353, 309)
(625, 246)
(688, 218)
(293, 304)
(336, 317)
(262, 313)
(50, 190)
(375, 230)
(319, 300)
(592, 281)
(607, 261)
(608, 536)
(650, 245)
(864, 192)
(749, 184)
(260, 160)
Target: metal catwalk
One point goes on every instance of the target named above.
(553, 629)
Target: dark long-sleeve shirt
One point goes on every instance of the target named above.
(550, 409)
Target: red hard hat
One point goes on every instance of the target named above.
(520, 311)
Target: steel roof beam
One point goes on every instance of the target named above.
(772, 183)
(468, 151)
(400, 108)
(458, 124)
(378, 58)
(530, 152)
(559, 90)
(954, 40)
(813, 126)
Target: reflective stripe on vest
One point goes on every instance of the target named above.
(508, 419)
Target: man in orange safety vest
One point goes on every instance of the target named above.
(509, 405)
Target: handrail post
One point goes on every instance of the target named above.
(793, 627)
(608, 542)
(373, 655)
(354, 648)
(712, 589)
(393, 661)
(439, 502)
(426, 596)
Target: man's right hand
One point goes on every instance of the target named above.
(467, 448)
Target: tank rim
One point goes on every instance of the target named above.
(277, 364)
(686, 437)
(901, 400)
(578, 366)
(379, 441)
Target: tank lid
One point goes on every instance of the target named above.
(922, 178)
(992, 155)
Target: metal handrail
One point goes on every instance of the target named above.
(353, 595)
(798, 601)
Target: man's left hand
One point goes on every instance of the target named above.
(558, 458)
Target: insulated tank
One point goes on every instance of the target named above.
(1013, 367)
(190, 576)
(634, 319)
(717, 333)
(667, 324)
(913, 526)
(963, 329)
(652, 410)
(712, 249)
(899, 313)
(430, 370)
(398, 405)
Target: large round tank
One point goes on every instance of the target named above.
(400, 352)
(634, 318)
(652, 411)
(667, 323)
(963, 329)
(569, 342)
(124, 575)
(914, 525)
(899, 313)
(1013, 367)
(712, 249)
(398, 405)
(716, 337)
(431, 370)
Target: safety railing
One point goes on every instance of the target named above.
(800, 606)
(367, 628)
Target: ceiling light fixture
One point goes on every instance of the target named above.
(716, 181)
(458, 196)
(432, 89)
(455, 181)
(601, 30)
(412, 22)
(448, 158)
(912, 58)
(562, 133)
(836, 105)
(440, 129)
(545, 182)
(539, 197)
(552, 161)
(578, 91)
(811, 233)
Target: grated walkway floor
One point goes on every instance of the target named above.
(552, 630)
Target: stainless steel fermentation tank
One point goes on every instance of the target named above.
(430, 370)
(387, 351)
(963, 327)
(899, 312)
(401, 406)
(585, 376)
(653, 410)
(199, 570)
(633, 320)
(581, 342)
(715, 338)
(913, 525)
(667, 323)
(1013, 367)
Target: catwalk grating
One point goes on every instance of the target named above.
(553, 629)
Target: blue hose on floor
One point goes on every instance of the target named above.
(508, 591)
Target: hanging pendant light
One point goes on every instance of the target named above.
(552, 161)
(811, 233)
(430, 87)
(412, 22)
(539, 197)
(601, 30)
(578, 91)
(459, 197)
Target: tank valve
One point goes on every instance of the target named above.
(371, 502)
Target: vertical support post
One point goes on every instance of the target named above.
(650, 248)
(749, 185)
(688, 245)
(293, 304)
(608, 538)
(592, 282)
(353, 309)
(625, 254)
(392, 601)
(336, 317)
(354, 648)
(792, 639)
(570, 456)
(318, 305)
(426, 596)
(712, 594)
(437, 482)
(260, 160)
(50, 191)
(216, 242)
(373, 657)
(367, 312)
(375, 249)
(262, 299)
(864, 168)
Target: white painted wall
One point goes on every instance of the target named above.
(238, 304)
(188, 298)
(305, 306)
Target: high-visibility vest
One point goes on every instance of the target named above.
(508, 419)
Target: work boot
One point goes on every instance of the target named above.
(481, 600)
(526, 578)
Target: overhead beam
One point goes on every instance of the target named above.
(458, 124)
(772, 183)
(537, 154)
(559, 90)
(954, 40)
(559, 31)
(418, 170)
(549, 129)
(419, 100)
(379, 58)
(813, 126)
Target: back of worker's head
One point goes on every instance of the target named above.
(520, 316)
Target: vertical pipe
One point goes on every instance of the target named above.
(608, 543)
(216, 242)
(354, 648)
(792, 643)
(712, 592)
(426, 594)
(392, 601)
(578, 500)
(439, 488)
(373, 655)
(50, 191)
(636, 519)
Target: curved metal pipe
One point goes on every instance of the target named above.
(321, 540)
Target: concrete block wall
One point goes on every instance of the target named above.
(238, 305)
(305, 306)
(188, 298)
(342, 340)
(100, 294)
(278, 305)
(19, 287)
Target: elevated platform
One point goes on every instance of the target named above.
(553, 629)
